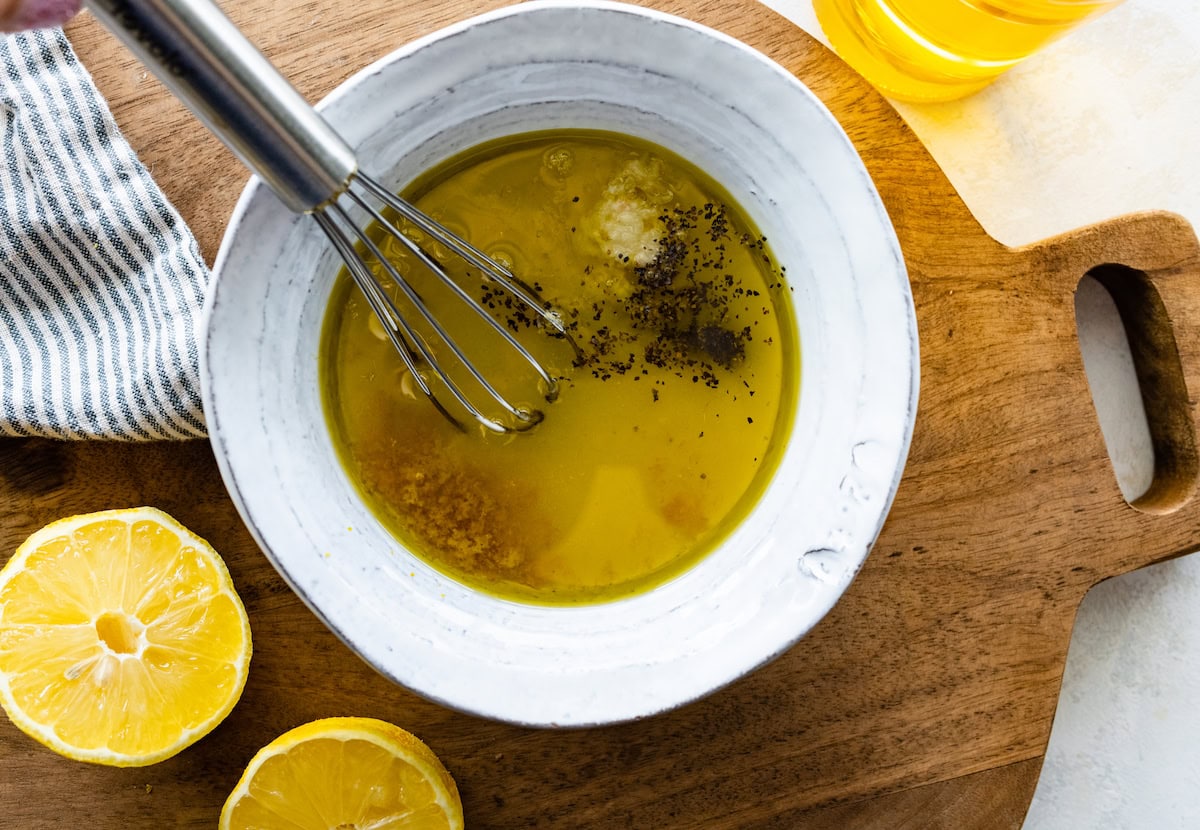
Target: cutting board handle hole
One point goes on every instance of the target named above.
(1137, 386)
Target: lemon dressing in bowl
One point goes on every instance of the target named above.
(667, 425)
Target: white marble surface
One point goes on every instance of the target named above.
(1102, 123)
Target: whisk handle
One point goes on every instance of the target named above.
(209, 64)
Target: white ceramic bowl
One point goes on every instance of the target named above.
(781, 155)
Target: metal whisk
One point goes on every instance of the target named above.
(202, 57)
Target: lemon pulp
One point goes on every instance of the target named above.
(122, 639)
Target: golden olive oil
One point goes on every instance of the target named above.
(938, 50)
(671, 416)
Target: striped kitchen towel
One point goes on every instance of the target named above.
(101, 282)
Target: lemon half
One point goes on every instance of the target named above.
(122, 639)
(350, 773)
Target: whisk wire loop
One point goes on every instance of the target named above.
(400, 332)
(413, 349)
(395, 325)
(488, 266)
(454, 242)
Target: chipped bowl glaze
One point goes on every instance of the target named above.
(779, 152)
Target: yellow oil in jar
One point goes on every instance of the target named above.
(937, 50)
(667, 428)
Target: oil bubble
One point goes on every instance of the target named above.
(503, 255)
(559, 160)
(376, 327)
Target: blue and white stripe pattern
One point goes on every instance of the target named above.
(101, 282)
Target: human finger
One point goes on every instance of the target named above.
(18, 15)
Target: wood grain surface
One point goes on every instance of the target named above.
(924, 699)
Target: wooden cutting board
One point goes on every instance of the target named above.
(923, 700)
